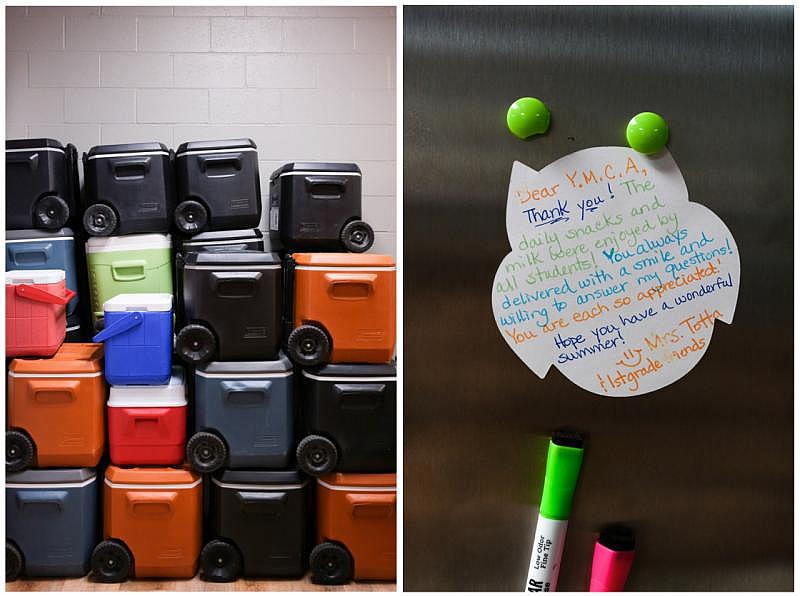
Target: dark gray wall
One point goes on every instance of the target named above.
(703, 469)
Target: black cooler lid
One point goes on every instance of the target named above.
(282, 364)
(52, 476)
(33, 144)
(37, 234)
(127, 148)
(231, 236)
(355, 370)
(263, 477)
(232, 257)
(216, 145)
(315, 166)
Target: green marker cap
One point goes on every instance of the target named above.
(564, 457)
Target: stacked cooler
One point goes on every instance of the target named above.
(340, 328)
(56, 392)
(289, 365)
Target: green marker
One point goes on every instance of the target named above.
(564, 457)
(647, 133)
(528, 116)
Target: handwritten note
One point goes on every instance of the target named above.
(614, 275)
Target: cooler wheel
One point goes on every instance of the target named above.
(206, 452)
(357, 236)
(195, 344)
(191, 217)
(111, 562)
(14, 561)
(220, 561)
(308, 345)
(331, 564)
(51, 212)
(100, 220)
(316, 455)
(20, 451)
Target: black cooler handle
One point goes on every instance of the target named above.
(325, 187)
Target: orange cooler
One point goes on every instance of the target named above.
(56, 409)
(151, 524)
(356, 519)
(344, 308)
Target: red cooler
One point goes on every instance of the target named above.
(36, 312)
(147, 423)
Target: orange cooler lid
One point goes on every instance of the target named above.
(70, 358)
(342, 259)
(151, 476)
(360, 480)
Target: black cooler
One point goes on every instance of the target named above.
(350, 415)
(130, 189)
(41, 184)
(317, 207)
(232, 303)
(218, 186)
(259, 521)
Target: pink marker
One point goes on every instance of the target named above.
(613, 556)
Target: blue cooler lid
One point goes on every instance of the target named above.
(24, 235)
(281, 365)
(53, 476)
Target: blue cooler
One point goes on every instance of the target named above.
(138, 339)
(244, 416)
(40, 249)
(51, 522)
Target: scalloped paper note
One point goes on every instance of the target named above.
(614, 275)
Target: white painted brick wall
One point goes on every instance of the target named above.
(306, 83)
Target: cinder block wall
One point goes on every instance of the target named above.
(305, 83)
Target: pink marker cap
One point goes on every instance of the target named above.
(612, 560)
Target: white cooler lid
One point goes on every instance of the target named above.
(139, 303)
(150, 396)
(130, 242)
(32, 276)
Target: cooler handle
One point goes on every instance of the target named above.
(151, 503)
(272, 503)
(39, 255)
(361, 396)
(232, 389)
(315, 182)
(207, 163)
(53, 391)
(119, 326)
(131, 270)
(372, 505)
(351, 286)
(240, 284)
(39, 295)
(130, 167)
(55, 498)
(22, 158)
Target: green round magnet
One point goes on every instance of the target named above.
(647, 133)
(528, 116)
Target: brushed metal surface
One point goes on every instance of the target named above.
(702, 469)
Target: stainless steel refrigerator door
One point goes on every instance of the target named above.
(702, 469)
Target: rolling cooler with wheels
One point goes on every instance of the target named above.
(36, 312)
(218, 186)
(232, 302)
(244, 416)
(43, 249)
(138, 339)
(341, 308)
(137, 264)
(130, 189)
(356, 519)
(317, 207)
(152, 524)
(260, 525)
(41, 184)
(55, 409)
(350, 412)
(51, 522)
(147, 423)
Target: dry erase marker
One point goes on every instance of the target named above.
(612, 560)
(564, 456)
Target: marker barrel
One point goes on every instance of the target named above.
(548, 545)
